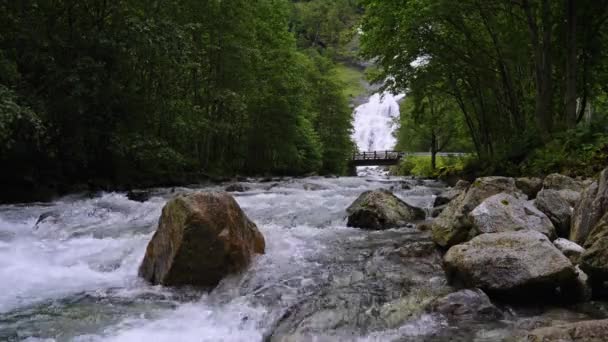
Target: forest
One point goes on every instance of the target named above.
(522, 83)
(120, 94)
(135, 93)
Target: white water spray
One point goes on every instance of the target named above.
(375, 123)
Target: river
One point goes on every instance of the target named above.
(73, 276)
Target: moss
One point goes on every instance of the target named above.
(504, 202)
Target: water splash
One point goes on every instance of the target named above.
(375, 122)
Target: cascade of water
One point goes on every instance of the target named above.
(375, 122)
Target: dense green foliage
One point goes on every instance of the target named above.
(518, 74)
(136, 92)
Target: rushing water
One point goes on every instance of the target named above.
(73, 276)
(375, 122)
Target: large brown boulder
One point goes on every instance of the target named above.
(380, 209)
(585, 331)
(453, 225)
(592, 206)
(520, 265)
(201, 238)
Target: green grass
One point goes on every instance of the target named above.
(353, 78)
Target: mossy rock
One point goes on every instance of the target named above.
(381, 209)
(201, 238)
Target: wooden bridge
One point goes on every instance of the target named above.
(387, 158)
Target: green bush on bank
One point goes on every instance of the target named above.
(420, 166)
(578, 152)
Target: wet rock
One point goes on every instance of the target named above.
(570, 249)
(529, 186)
(201, 238)
(436, 211)
(49, 216)
(380, 209)
(594, 261)
(586, 331)
(592, 206)
(582, 289)
(450, 194)
(237, 187)
(504, 212)
(462, 185)
(138, 195)
(557, 208)
(467, 304)
(313, 187)
(446, 197)
(518, 265)
(452, 226)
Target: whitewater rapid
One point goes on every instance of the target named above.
(73, 277)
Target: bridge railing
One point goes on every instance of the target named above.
(396, 155)
(378, 155)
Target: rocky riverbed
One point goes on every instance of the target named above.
(70, 269)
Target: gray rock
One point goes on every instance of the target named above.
(594, 261)
(529, 185)
(452, 226)
(467, 304)
(313, 187)
(592, 206)
(570, 249)
(237, 187)
(201, 238)
(585, 331)
(462, 185)
(47, 217)
(380, 209)
(557, 208)
(504, 212)
(557, 181)
(522, 265)
(446, 197)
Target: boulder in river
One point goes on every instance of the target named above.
(237, 187)
(452, 226)
(201, 238)
(466, 304)
(381, 209)
(592, 206)
(505, 212)
(557, 208)
(529, 185)
(518, 265)
(585, 331)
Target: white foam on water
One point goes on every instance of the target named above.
(374, 123)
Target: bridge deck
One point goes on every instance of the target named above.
(385, 158)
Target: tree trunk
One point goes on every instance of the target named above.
(433, 151)
(543, 63)
(571, 63)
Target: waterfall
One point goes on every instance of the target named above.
(375, 122)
